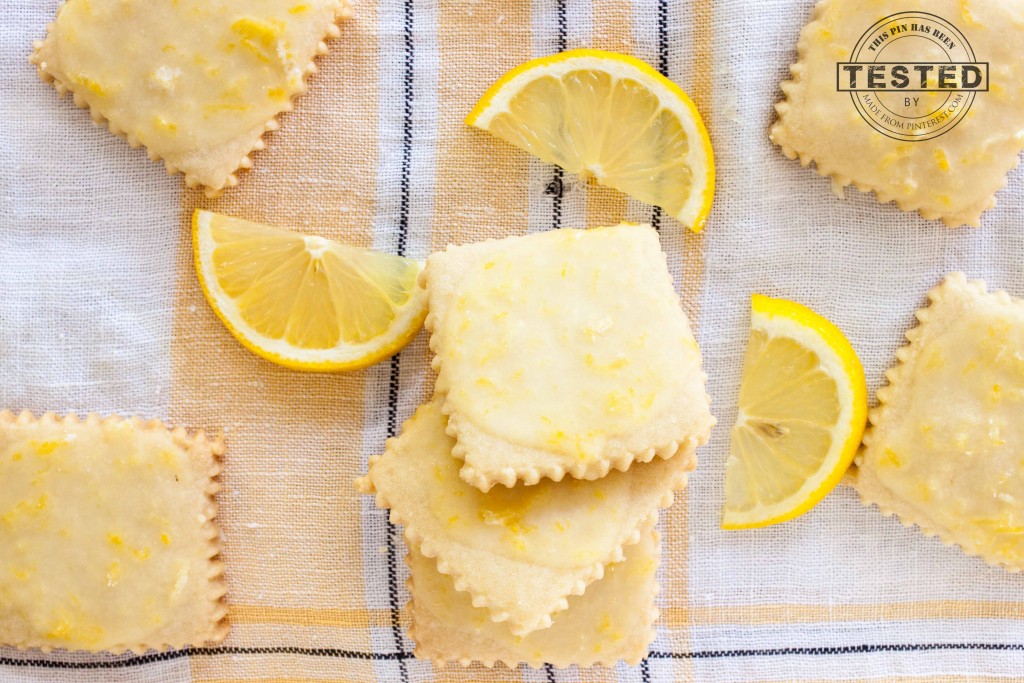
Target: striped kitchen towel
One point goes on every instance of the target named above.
(101, 311)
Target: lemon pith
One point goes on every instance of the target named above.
(610, 117)
(802, 412)
(303, 301)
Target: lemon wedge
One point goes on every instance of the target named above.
(608, 117)
(802, 411)
(306, 302)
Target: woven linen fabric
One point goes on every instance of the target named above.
(100, 311)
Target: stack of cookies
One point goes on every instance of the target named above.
(569, 404)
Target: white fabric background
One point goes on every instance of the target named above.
(89, 228)
(85, 272)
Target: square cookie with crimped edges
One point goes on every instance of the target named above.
(563, 352)
(107, 535)
(518, 553)
(196, 82)
(944, 446)
(941, 156)
(613, 621)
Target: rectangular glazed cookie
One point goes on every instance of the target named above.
(944, 152)
(613, 621)
(944, 447)
(197, 82)
(129, 506)
(520, 552)
(563, 352)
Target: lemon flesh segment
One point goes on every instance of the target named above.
(304, 301)
(802, 412)
(608, 117)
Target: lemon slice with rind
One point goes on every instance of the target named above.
(303, 301)
(802, 412)
(610, 117)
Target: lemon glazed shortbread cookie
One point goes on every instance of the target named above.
(920, 102)
(945, 443)
(107, 539)
(518, 552)
(612, 621)
(196, 82)
(563, 352)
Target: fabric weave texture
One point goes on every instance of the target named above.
(101, 311)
